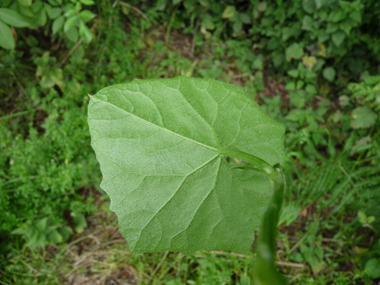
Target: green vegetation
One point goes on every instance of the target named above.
(164, 147)
(161, 143)
(312, 67)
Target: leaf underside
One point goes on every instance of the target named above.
(158, 143)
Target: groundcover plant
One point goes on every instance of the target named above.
(168, 152)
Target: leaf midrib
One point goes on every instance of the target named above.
(176, 191)
(160, 127)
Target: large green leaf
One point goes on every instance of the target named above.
(162, 147)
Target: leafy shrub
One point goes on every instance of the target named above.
(325, 35)
(368, 91)
(328, 142)
(47, 167)
(43, 167)
(57, 15)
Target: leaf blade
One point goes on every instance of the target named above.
(158, 143)
(7, 39)
(13, 18)
(85, 32)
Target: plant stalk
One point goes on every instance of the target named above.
(264, 271)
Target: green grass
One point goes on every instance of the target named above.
(48, 169)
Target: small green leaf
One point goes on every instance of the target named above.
(307, 23)
(309, 6)
(25, 11)
(41, 225)
(48, 8)
(262, 6)
(294, 52)
(258, 63)
(293, 73)
(356, 16)
(300, 84)
(237, 26)
(73, 34)
(25, 3)
(346, 6)
(278, 58)
(70, 22)
(362, 217)
(329, 73)
(337, 16)
(20, 231)
(360, 145)
(85, 32)
(52, 77)
(346, 26)
(229, 12)
(362, 118)
(41, 17)
(36, 7)
(54, 2)
(13, 18)
(161, 6)
(78, 6)
(244, 18)
(371, 219)
(87, 15)
(70, 12)
(372, 268)
(290, 86)
(162, 144)
(311, 89)
(54, 13)
(318, 3)
(208, 21)
(320, 63)
(87, 2)
(331, 28)
(54, 237)
(80, 223)
(338, 38)
(65, 232)
(7, 39)
(323, 36)
(58, 24)
(56, 75)
(204, 3)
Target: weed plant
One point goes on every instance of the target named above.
(54, 216)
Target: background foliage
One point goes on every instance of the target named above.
(312, 65)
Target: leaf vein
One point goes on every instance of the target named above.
(163, 128)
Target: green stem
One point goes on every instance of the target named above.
(255, 161)
(264, 271)
(366, 253)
